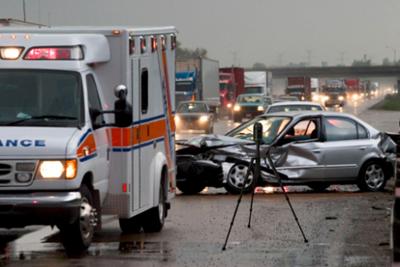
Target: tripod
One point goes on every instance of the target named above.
(255, 163)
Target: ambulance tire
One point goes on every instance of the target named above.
(131, 225)
(76, 237)
(153, 220)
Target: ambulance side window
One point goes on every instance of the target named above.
(94, 100)
(144, 90)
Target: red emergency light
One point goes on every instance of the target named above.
(55, 53)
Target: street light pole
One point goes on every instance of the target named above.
(24, 9)
(394, 54)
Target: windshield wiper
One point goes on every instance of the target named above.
(42, 117)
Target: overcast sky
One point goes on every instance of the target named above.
(244, 31)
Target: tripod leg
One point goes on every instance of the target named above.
(237, 204)
(252, 198)
(286, 196)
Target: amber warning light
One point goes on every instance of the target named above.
(54, 53)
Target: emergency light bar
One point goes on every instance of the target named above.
(10, 53)
(55, 53)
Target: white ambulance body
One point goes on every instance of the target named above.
(64, 161)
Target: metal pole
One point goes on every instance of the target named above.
(24, 9)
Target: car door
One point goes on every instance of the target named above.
(301, 151)
(345, 145)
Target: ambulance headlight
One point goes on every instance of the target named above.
(260, 108)
(55, 169)
(10, 53)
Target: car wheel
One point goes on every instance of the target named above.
(130, 225)
(154, 219)
(190, 187)
(318, 187)
(76, 237)
(372, 177)
(236, 180)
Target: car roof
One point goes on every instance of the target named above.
(301, 114)
(296, 103)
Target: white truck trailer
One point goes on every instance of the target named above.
(258, 82)
(70, 150)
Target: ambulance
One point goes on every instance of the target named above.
(86, 128)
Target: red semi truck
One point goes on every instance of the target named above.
(231, 84)
(299, 87)
(353, 89)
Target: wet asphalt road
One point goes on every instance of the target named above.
(344, 228)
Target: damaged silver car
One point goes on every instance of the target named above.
(316, 149)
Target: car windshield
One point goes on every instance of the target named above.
(272, 127)
(192, 108)
(253, 90)
(334, 90)
(249, 99)
(40, 98)
(288, 108)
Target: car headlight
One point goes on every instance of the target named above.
(236, 108)
(229, 105)
(55, 169)
(203, 118)
(354, 97)
(341, 98)
(315, 98)
(260, 108)
(177, 119)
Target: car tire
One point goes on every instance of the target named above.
(153, 220)
(318, 187)
(76, 237)
(372, 177)
(190, 187)
(235, 180)
(130, 225)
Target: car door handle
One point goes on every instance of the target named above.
(363, 148)
(316, 151)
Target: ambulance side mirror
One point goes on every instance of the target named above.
(122, 109)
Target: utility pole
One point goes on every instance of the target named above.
(309, 57)
(342, 58)
(24, 9)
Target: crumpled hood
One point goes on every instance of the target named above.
(34, 142)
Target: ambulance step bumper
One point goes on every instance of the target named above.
(42, 208)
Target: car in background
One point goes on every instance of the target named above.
(313, 148)
(250, 105)
(195, 115)
(287, 106)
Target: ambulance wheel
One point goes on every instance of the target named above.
(131, 225)
(76, 237)
(154, 219)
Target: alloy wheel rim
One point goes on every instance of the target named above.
(374, 176)
(237, 176)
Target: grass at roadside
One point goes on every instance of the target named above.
(390, 102)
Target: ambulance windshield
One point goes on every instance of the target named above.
(40, 98)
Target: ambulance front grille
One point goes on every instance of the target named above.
(4, 169)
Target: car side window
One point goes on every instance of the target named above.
(338, 129)
(302, 131)
(94, 99)
(362, 132)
